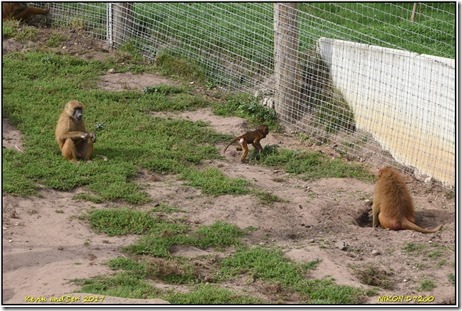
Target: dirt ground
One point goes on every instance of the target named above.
(45, 244)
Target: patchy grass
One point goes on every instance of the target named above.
(209, 294)
(311, 165)
(213, 182)
(271, 265)
(125, 284)
(426, 285)
(247, 107)
(129, 137)
(159, 242)
(121, 221)
(371, 274)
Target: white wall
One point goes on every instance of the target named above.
(405, 100)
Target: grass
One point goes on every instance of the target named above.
(122, 120)
(213, 182)
(371, 274)
(209, 294)
(159, 241)
(122, 221)
(414, 247)
(268, 266)
(246, 106)
(311, 165)
(271, 265)
(426, 285)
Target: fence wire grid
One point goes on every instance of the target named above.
(376, 80)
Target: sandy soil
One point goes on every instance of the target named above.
(45, 244)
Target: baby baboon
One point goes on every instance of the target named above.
(72, 137)
(251, 137)
(392, 204)
(20, 10)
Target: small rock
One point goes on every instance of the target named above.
(375, 252)
(341, 245)
(112, 70)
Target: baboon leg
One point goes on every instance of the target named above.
(89, 150)
(245, 148)
(257, 146)
(375, 215)
(68, 150)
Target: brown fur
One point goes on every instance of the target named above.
(73, 139)
(251, 137)
(392, 204)
(20, 10)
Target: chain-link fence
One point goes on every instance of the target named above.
(371, 79)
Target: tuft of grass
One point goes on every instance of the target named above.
(164, 89)
(452, 278)
(426, 285)
(127, 264)
(247, 107)
(121, 221)
(414, 247)
(159, 243)
(219, 234)
(271, 265)
(125, 284)
(55, 39)
(312, 164)
(267, 197)
(9, 28)
(209, 294)
(213, 182)
(14, 29)
(372, 275)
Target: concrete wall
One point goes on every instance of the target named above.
(405, 100)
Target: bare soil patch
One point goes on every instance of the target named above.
(45, 244)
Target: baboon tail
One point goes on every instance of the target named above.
(412, 226)
(232, 142)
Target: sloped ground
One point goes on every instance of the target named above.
(45, 244)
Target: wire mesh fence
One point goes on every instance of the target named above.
(375, 80)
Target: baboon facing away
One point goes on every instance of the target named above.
(392, 204)
(251, 137)
(73, 139)
(20, 10)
